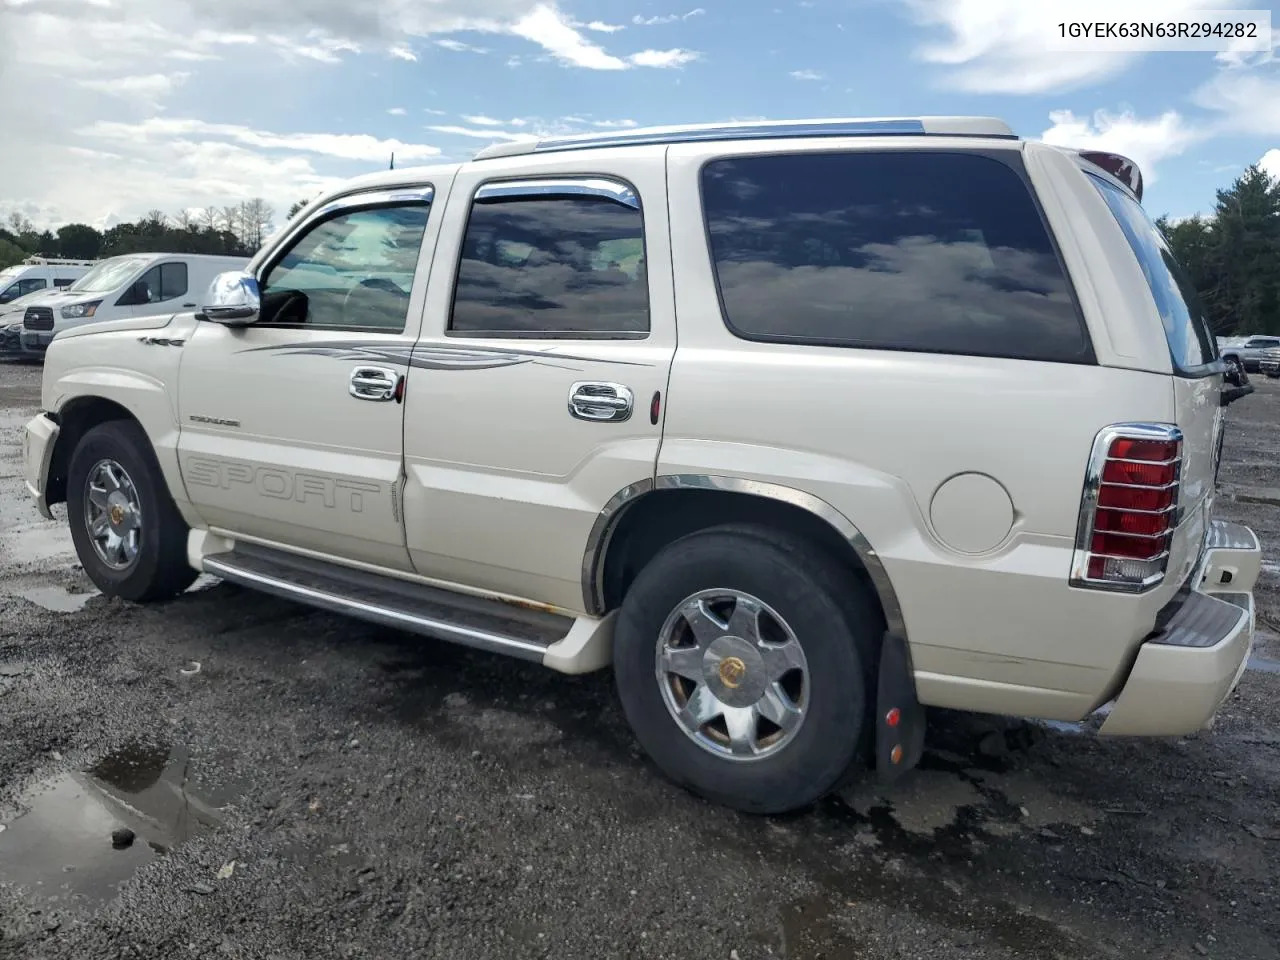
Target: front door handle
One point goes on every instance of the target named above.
(600, 401)
(374, 383)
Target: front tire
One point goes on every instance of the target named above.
(128, 534)
(742, 657)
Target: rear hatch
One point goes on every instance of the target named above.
(1197, 379)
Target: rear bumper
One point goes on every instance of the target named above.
(1182, 675)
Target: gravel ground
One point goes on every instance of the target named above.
(302, 785)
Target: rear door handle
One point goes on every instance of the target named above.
(374, 383)
(600, 401)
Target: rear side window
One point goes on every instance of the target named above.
(554, 267)
(1190, 343)
(920, 251)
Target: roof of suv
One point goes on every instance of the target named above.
(760, 129)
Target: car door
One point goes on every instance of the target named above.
(292, 426)
(538, 383)
(163, 288)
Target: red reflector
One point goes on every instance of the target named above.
(893, 717)
(1143, 474)
(1128, 449)
(1135, 498)
(1134, 548)
(1118, 521)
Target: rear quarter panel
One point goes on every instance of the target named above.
(876, 434)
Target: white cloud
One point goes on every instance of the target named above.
(1270, 162)
(806, 75)
(1145, 142)
(345, 146)
(147, 89)
(1011, 46)
(397, 111)
(402, 51)
(663, 58)
(459, 47)
(1245, 102)
(317, 45)
(601, 27)
(549, 29)
(483, 121)
(482, 133)
(663, 19)
(1236, 54)
(480, 127)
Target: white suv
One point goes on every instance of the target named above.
(799, 425)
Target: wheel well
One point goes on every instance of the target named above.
(660, 517)
(74, 420)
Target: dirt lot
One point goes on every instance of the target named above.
(305, 786)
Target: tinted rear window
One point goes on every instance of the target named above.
(1190, 343)
(920, 251)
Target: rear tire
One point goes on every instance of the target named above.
(684, 650)
(130, 538)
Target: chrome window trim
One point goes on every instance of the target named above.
(381, 197)
(1089, 504)
(543, 188)
(607, 520)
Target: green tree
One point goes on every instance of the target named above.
(1233, 256)
(79, 241)
(10, 253)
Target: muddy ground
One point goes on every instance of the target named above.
(301, 785)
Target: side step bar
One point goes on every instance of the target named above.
(559, 642)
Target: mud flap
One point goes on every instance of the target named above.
(900, 719)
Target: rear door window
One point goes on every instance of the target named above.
(1191, 345)
(922, 251)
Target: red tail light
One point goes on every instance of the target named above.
(1129, 510)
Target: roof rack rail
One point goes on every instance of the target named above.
(56, 262)
(757, 129)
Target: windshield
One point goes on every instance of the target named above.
(1190, 343)
(108, 275)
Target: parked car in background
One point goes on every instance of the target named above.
(125, 287)
(11, 324)
(40, 273)
(1249, 351)
(1269, 363)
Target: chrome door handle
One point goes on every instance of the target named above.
(374, 383)
(600, 401)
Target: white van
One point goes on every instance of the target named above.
(40, 273)
(131, 285)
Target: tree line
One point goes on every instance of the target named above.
(236, 231)
(1231, 256)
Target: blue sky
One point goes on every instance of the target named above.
(174, 104)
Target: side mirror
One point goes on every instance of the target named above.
(141, 292)
(233, 299)
(1235, 381)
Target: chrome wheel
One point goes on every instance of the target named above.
(112, 514)
(732, 674)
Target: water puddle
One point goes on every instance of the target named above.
(1263, 665)
(59, 845)
(55, 599)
